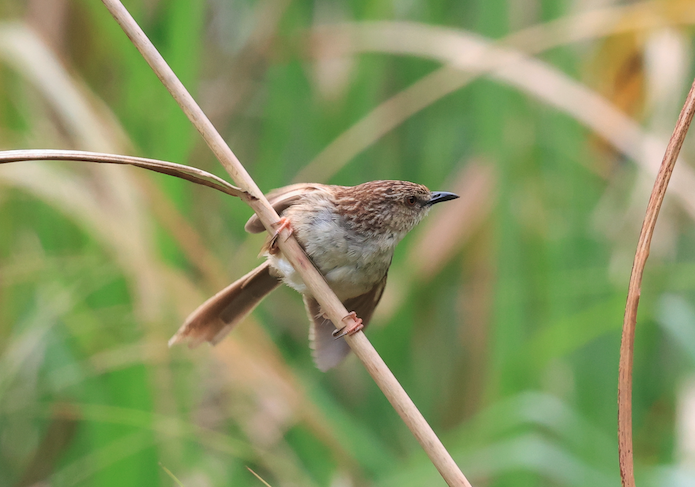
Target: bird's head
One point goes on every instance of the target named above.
(388, 207)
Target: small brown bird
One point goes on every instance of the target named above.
(349, 233)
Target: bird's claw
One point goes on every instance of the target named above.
(281, 224)
(351, 329)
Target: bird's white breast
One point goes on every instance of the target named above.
(351, 262)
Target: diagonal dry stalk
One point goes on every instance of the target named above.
(625, 451)
(292, 250)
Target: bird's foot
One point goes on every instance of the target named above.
(281, 224)
(351, 329)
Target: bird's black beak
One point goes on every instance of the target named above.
(439, 196)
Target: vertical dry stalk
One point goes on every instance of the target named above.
(292, 250)
(628, 340)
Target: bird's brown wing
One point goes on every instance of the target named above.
(281, 199)
(219, 314)
(329, 351)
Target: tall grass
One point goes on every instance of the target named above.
(510, 306)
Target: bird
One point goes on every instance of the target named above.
(348, 232)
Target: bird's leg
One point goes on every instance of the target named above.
(349, 330)
(281, 224)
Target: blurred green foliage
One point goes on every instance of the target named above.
(502, 317)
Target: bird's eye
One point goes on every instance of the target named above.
(410, 200)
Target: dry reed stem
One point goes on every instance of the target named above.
(293, 251)
(192, 174)
(625, 451)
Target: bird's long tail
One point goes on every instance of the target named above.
(218, 315)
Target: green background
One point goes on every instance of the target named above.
(503, 312)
